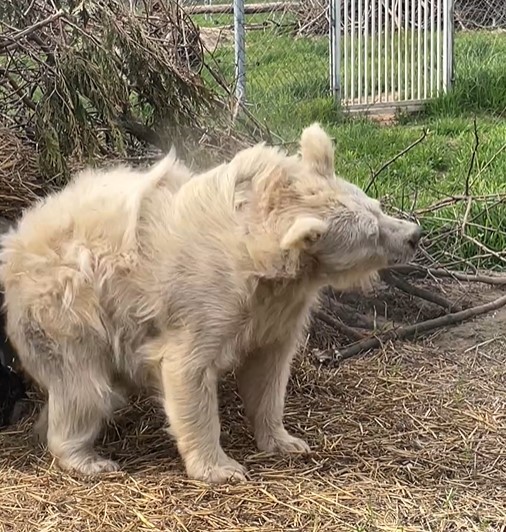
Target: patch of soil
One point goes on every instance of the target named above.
(212, 38)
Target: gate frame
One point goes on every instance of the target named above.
(335, 60)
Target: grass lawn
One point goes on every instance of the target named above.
(286, 83)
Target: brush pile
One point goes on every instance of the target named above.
(81, 81)
(312, 18)
(480, 14)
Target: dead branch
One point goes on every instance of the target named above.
(452, 200)
(351, 333)
(9, 40)
(18, 90)
(222, 9)
(410, 332)
(473, 156)
(348, 314)
(490, 161)
(394, 280)
(142, 132)
(489, 252)
(420, 271)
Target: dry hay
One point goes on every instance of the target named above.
(409, 439)
(19, 175)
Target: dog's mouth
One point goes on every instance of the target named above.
(403, 256)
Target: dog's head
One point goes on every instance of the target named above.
(339, 225)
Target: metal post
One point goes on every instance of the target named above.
(240, 51)
(448, 43)
(335, 48)
(208, 16)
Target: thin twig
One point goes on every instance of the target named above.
(448, 274)
(393, 159)
(486, 249)
(473, 156)
(490, 161)
(348, 314)
(9, 40)
(466, 217)
(451, 200)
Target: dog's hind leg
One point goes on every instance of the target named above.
(76, 412)
(76, 373)
(40, 426)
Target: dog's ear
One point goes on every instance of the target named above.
(317, 150)
(303, 233)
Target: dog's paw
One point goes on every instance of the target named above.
(90, 466)
(225, 471)
(282, 442)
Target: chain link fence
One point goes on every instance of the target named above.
(284, 49)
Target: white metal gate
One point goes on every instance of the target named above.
(387, 54)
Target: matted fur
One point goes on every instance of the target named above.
(162, 279)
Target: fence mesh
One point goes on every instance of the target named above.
(286, 52)
(286, 49)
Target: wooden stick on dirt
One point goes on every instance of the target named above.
(411, 331)
(420, 271)
(267, 7)
(394, 280)
(351, 333)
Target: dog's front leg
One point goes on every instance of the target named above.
(262, 382)
(190, 388)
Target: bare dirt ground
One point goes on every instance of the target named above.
(410, 438)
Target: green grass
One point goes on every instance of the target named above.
(286, 83)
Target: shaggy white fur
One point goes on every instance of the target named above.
(162, 279)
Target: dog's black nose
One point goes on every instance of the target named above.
(415, 236)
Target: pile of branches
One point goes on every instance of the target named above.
(20, 184)
(480, 14)
(312, 18)
(88, 80)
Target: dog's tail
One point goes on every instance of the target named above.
(169, 170)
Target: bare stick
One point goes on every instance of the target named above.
(489, 252)
(11, 39)
(351, 333)
(500, 280)
(412, 331)
(446, 202)
(18, 90)
(437, 299)
(490, 161)
(473, 157)
(348, 314)
(393, 159)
